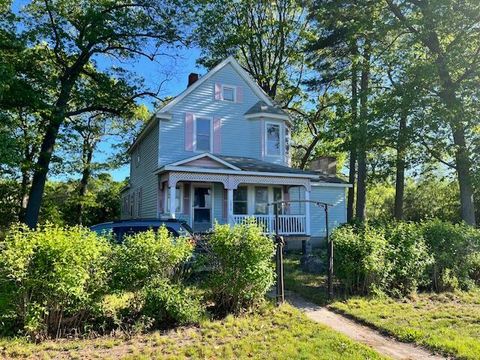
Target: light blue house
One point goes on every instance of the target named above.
(221, 151)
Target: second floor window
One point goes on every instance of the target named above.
(203, 134)
(273, 139)
(228, 93)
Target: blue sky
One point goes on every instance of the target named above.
(175, 68)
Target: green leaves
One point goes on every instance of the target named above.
(242, 269)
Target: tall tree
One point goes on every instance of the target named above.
(78, 36)
(449, 31)
(265, 36)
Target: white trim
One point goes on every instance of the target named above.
(325, 184)
(195, 117)
(279, 155)
(243, 74)
(210, 156)
(231, 172)
(234, 88)
(163, 116)
(267, 115)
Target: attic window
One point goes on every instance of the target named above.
(228, 93)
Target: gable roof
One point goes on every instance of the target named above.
(243, 74)
(205, 155)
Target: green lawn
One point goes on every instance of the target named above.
(447, 322)
(282, 333)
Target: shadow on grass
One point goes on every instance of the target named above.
(312, 287)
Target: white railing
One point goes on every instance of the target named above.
(288, 224)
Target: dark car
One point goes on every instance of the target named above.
(128, 227)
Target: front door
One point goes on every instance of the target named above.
(202, 208)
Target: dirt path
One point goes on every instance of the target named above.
(382, 344)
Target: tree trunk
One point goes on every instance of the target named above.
(46, 150)
(353, 145)
(362, 135)
(464, 175)
(400, 166)
(23, 196)
(86, 173)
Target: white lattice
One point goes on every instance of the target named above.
(232, 181)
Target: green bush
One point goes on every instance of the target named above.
(171, 304)
(54, 277)
(359, 254)
(407, 257)
(456, 250)
(242, 267)
(397, 258)
(148, 255)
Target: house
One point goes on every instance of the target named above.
(220, 151)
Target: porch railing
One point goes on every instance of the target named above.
(288, 224)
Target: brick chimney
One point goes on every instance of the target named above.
(326, 165)
(192, 78)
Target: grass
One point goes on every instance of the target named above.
(449, 322)
(274, 333)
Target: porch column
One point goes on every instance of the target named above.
(173, 206)
(307, 212)
(230, 206)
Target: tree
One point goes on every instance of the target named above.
(78, 36)
(81, 140)
(448, 32)
(266, 37)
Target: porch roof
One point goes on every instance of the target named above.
(246, 166)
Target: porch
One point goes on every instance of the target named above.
(202, 204)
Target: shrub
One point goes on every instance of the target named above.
(407, 257)
(242, 267)
(54, 276)
(359, 254)
(456, 249)
(148, 255)
(171, 304)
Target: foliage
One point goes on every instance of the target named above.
(456, 250)
(408, 257)
(56, 277)
(360, 258)
(241, 266)
(448, 323)
(148, 255)
(399, 258)
(425, 198)
(170, 303)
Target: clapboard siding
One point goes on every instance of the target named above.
(239, 136)
(329, 194)
(142, 176)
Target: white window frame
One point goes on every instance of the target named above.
(179, 191)
(195, 133)
(287, 144)
(234, 88)
(281, 149)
